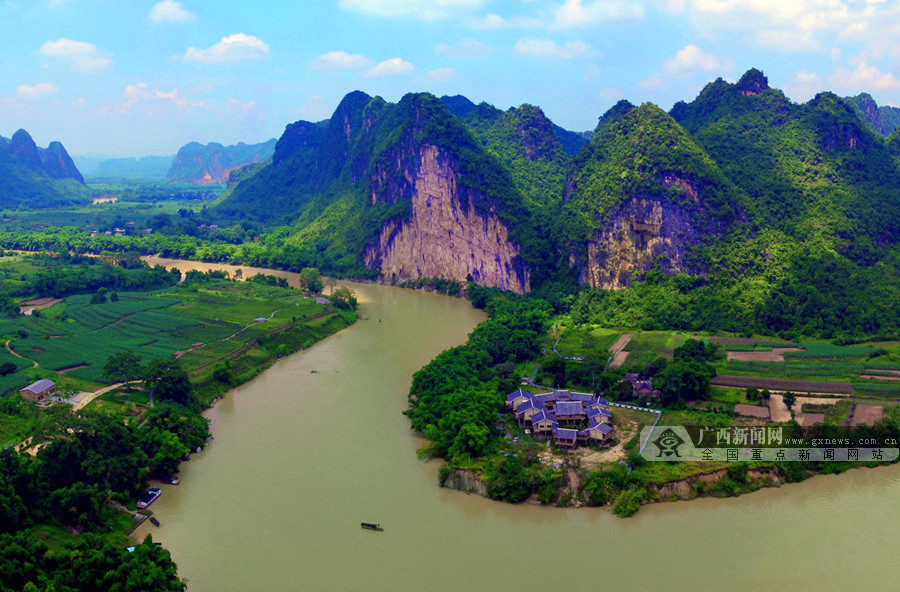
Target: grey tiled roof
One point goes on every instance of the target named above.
(569, 408)
(40, 385)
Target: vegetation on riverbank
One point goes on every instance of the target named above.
(185, 344)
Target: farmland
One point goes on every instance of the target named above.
(206, 321)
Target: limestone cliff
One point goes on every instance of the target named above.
(445, 235)
(643, 233)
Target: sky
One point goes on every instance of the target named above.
(134, 78)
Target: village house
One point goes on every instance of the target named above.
(546, 412)
(38, 391)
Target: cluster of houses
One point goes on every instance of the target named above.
(642, 388)
(562, 415)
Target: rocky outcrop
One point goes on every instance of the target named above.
(445, 235)
(643, 233)
(58, 164)
(213, 163)
(22, 147)
(466, 481)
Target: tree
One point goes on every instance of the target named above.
(7, 368)
(344, 298)
(789, 400)
(311, 280)
(168, 381)
(122, 367)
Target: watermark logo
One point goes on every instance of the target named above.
(668, 443)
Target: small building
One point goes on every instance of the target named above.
(38, 391)
(543, 422)
(569, 412)
(515, 398)
(524, 412)
(600, 432)
(566, 438)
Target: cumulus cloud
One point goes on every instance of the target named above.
(547, 48)
(424, 9)
(466, 49)
(581, 13)
(492, 21)
(339, 60)
(391, 67)
(440, 75)
(81, 56)
(691, 57)
(170, 11)
(863, 76)
(30, 92)
(141, 93)
(796, 24)
(233, 48)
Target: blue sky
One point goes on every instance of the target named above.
(133, 78)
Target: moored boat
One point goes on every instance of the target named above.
(370, 526)
(148, 498)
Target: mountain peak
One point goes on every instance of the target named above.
(22, 146)
(753, 82)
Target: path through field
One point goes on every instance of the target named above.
(10, 350)
(616, 351)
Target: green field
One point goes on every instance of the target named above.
(646, 346)
(77, 337)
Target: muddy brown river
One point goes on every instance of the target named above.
(318, 444)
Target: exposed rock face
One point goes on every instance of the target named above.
(642, 233)
(59, 164)
(445, 235)
(22, 147)
(212, 163)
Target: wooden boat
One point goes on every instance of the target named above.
(149, 498)
(154, 521)
(370, 526)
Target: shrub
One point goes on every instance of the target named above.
(627, 503)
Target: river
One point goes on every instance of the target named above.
(317, 444)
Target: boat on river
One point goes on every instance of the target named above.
(370, 526)
(148, 498)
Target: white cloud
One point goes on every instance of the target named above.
(424, 9)
(391, 67)
(170, 11)
(547, 48)
(581, 13)
(141, 93)
(796, 24)
(81, 56)
(492, 21)
(863, 76)
(233, 48)
(339, 60)
(40, 89)
(691, 57)
(466, 49)
(440, 75)
(242, 108)
(651, 83)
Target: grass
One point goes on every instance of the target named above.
(576, 341)
(829, 350)
(837, 414)
(876, 390)
(646, 346)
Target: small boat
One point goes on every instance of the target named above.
(170, 480)
(370, 526)
(154, 521)
(149, 498)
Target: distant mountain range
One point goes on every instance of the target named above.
(194, 163)
(37, 177)
(739, 186)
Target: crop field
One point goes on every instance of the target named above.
(828, 350)
(78, 337)
(578, 340)
(799, 369)
(646, 346)
(778, 384)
